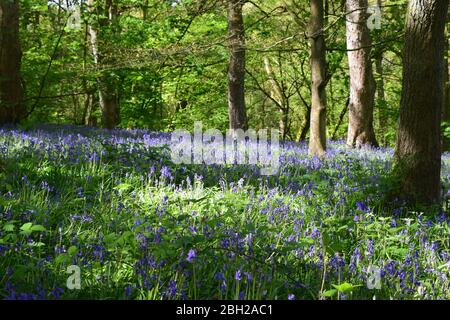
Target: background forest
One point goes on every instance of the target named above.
(166, 63)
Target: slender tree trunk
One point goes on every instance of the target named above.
(108, 101)
(383, 121)
(381, 97)
(418, 150)
(341, 119)
(362, 82)
(87, 105)
(236, 67)
(12, 107)
(277, 93)
(317, 137)
(145, 10)
(307, 123)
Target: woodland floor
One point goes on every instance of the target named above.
(141, 227)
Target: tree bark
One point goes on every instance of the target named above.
(445, 105)
(362, 82)
(317, 137)
(306, 125)
(12, 108)
(236, 68)
(341, 119)
(418, 150)
(108, 100)
(277, 93)
(383, 121)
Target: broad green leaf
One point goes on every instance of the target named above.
(329, 293)
(345, 287)
(26, 227)
(123, 187)
(38, 227)
(9, 227)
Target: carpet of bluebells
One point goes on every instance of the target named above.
(141, 227)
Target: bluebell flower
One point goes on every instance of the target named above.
(172, 289)
(220, 276)
(238, 275)
(57, 292)
(191, 255)
(361, 206)
(128, 290)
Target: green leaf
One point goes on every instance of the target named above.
(345, 287)
(110, 238)
(26, 227)
(398, 252)
(36, 244)
(446, 265)
(62, 258)
(72, 251)
(9, 227)
(306, 241)
(38, 228)
(329, 293)
(126, 237)
(20, 271)
(123, 187)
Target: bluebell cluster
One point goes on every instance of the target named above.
(142, 227)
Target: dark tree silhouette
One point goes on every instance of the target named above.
(12, 108)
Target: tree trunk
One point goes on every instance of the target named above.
(446, 106)
(418, 150)
(12, 108)
(236, 67)
(381, 97)
(108, 101)
(145, 10)
(85, 110)
(341, 119)
(362, 82)
(277, 93)
(306, 125)
(383, 121)
(317, 137)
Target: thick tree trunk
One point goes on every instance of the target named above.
(418, 151)
(362, 82)
(317, 137)
(446, 106)
(236, 68)
(12, 108)
(108, 101)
